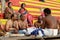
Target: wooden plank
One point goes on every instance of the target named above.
(31, 37)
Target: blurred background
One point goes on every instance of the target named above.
(34, 7)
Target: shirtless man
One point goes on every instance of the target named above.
(22, 22)
(39, 23)
(50, 21)
(12, 24)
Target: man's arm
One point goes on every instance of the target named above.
(58, 24)
(16, 25)
(7, 26)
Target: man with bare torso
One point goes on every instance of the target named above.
(39, 23)
(22, 22)
(12, 24)
(50, 21)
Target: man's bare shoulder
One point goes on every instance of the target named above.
(51, 18)
(9, 21)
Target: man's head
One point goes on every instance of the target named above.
(40, 18)
(22, 17)
(9, 4)
(47, 11)
(23, 5)
(13, 16)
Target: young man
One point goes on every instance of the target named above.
(12, 23)
(22, 22)
(50, 21)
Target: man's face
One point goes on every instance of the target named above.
(23, 17)
(15, 17)
(45, 14)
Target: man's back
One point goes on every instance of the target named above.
(53, 21)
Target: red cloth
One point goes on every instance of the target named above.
(30, 19)
(22, 10)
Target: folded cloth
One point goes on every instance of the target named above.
(51, 32)
(31, 29)
(37, 32)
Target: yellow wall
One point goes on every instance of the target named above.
(52, 4)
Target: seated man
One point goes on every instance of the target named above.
(39, 22)
(22, 22)
(12, 24)
(50, 21)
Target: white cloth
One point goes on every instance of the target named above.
(51, 32)
(31, 29)
(48, 32)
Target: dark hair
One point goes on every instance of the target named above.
(22, 5)
(38, 17)
(9, 4)
(47, 10)
(12, 16)
(21, 15)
